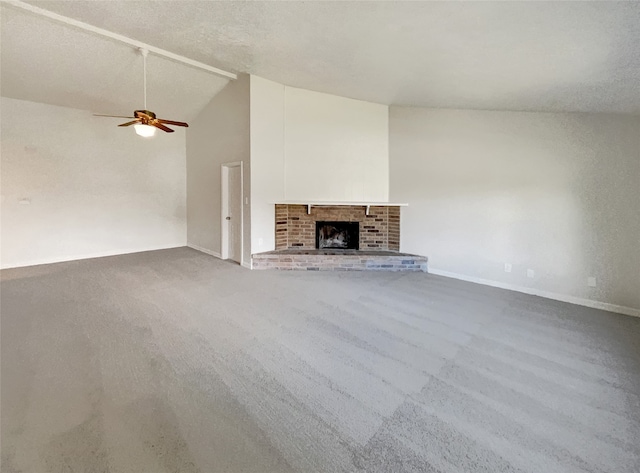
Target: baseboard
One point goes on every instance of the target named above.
(546, 294)
(101, 254)
(214, 253)
(204, 250)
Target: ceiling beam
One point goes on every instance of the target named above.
(114, 36)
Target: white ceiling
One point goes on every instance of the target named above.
(534, 56)
(47, 62)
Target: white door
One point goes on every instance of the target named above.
(234, 213)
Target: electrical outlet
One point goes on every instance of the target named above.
(507, 267)
(260, 241)
(531, 273)
(591, 281)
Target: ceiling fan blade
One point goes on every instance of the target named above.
(161, 126)
(111, 116)
(171, 122)
(137, 120)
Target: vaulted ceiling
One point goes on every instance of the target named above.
(531, 56)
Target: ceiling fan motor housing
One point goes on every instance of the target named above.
(144, 114)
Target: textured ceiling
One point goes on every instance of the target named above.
(536, 56)
(47, 62)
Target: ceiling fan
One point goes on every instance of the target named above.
(145, 122)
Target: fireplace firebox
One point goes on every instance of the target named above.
(338, 235)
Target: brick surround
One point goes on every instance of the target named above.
(380, 230)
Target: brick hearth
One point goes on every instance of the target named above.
(339, 260)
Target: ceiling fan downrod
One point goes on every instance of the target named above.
(144, 53)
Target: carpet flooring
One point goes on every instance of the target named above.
(174, 361)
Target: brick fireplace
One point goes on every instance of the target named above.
(376, 227)
(296, 225)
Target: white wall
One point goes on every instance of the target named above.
(556, 193)
(219, 134)
(94, 189)
(267, 160)
(336, 149)
(311, 146)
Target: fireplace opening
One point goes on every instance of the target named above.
(342, 235)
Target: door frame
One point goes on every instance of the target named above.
(224, 225)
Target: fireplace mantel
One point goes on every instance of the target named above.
(312, 203)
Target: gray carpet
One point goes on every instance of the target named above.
(174, 361)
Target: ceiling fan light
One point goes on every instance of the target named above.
(145, 130)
